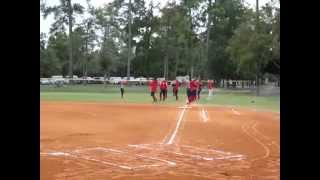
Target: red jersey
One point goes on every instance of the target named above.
(210, 84)
(163, 85)
(153, 85)
(193, 85)
(176, 87)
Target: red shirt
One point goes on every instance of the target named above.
(193, 85)
(153, 85)
(163, 85)
(210, 84)
(176, 87)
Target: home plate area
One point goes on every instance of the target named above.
(146, 156)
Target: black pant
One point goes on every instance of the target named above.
(163, 94)
(198, 93)
(175, 93)
(122, 91)
(153, 96)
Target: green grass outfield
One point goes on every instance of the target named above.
(100, 93)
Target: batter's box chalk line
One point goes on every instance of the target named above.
(142, 156)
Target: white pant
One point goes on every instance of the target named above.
(210, 92)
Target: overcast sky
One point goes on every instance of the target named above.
(45, 24)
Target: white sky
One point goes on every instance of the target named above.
(45, 24)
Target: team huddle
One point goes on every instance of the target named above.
(194, 88)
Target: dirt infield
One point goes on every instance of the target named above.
(139, 141)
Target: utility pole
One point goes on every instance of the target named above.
(129, 44)
(70, 40)
(258, 64)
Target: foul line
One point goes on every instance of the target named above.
(177, 126)
(204, 115)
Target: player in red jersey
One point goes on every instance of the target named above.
(163, 90)
(210, 87)
(175, 89)
(192, 91)
(153, 88)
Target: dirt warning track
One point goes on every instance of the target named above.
(139, 141)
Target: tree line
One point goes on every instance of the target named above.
(220, 39)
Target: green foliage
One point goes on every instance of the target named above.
(211, 39)
(253, 45)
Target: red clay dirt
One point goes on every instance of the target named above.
(150, 141)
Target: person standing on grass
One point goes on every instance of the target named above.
(122, 88)
(153, 89)
(187, 83)
(175, 89)
(192, 91)
(210, 87)
(163, 90)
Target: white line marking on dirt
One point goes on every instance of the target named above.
(204, 115)
(245, 127)
(98, 148)
(124, 152)
(86, 158)
(171, 163)
(227, 155)
(55, 154)
(108, 163)
(265, 137)
(177, 126)
(212, 150)
(183, 107)
(235, 112)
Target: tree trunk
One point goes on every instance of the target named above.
(165, 66)
(177, 63)
(86, 63)
(129, 43)
(208, 30)
(86, 73)
(257, 85)
(191, 71)
(70, 40)
(105, 78)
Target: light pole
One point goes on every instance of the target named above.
(129, 43)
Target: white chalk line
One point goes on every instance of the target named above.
(86, 158)
(204, 115)
(245, 127)
(177, 126)
(235, 112)
(212, 150)
(125, 152)
(183, 107)
(171, 140)
(170, 163)
(166, 137)
(229, 156)
(265, 137)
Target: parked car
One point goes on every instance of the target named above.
(115, 80)
(45, 81)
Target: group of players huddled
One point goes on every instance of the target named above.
(194, 88)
